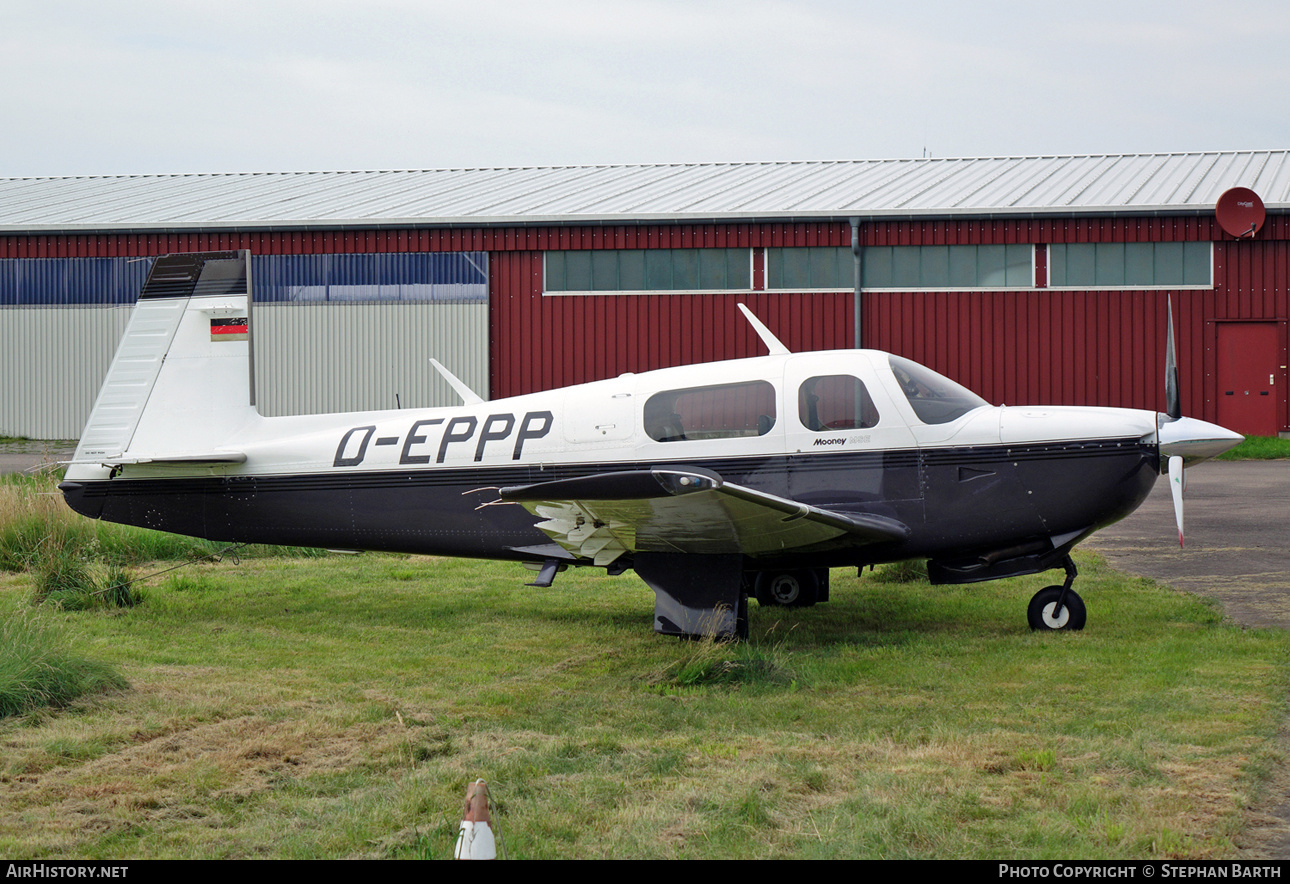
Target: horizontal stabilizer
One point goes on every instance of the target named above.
(216, 457)
(686, 510)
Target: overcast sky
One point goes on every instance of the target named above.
(176, 86)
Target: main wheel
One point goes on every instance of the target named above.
(1043, 614)
(790, 589)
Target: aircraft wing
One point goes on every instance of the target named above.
(685, 510)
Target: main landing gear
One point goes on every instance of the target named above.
(791, 589)
(1058, 607)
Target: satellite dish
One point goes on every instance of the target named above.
(1240, 212)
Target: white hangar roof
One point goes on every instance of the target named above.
(965, 187)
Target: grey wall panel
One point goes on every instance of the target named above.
(309, 359)
(315, 358)
(52, 361)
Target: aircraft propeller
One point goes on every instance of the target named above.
(1173, 402)
(1176, 489)
(1184, 439)
(1173, 408)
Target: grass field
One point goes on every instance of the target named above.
(337, 707)
(1259, 448)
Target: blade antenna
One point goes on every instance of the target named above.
(468, 396)
(1173, 403)
(772, 343)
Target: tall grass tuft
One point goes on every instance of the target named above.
(61, 574)
(33, 515)
(117, 589)
(909, 571)
(65, 577)
(30, 513)
(37, 669)
(79, 563)
(712, 661)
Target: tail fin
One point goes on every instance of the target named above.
(181, 380)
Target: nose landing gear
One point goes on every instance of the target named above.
(1058, 607)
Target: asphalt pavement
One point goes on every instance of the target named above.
(1237, 520)
(21, 457)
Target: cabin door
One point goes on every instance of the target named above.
(848, 446)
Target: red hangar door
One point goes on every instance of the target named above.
(1251, 378)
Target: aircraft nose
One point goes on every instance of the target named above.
(1194, 440)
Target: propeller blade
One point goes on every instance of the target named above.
(1176, 488)
(1173, 403)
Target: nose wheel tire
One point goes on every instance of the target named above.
(1043, 613)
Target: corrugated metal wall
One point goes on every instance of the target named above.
(1091, 347)
(322, 342)
(309, 358)
(1041, 346)
(318, 358)
(541, 342)
(544, 342)
(52, 361)
(1254, 283)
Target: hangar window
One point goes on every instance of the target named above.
(835, 402)
(1130, 265)
(648, 270)
(810, 269)
(919, 268)
(902, 268)
(723, 411)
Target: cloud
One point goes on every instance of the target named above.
(158, 87)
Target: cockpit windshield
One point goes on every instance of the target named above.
(935, 398)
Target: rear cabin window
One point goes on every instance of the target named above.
(835, 402)
(724, 411)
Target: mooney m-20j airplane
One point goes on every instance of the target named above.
(714, 482)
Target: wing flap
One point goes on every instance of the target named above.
(691, 510)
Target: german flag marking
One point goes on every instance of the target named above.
(229, 329)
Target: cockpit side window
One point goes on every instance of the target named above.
(835, 402)
(723, 411)
(935, 398)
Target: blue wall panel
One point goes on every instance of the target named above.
(50, 282)
(450, 277)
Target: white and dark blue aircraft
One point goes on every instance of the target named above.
(713, 482)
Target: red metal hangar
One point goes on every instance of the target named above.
(1028, 279)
